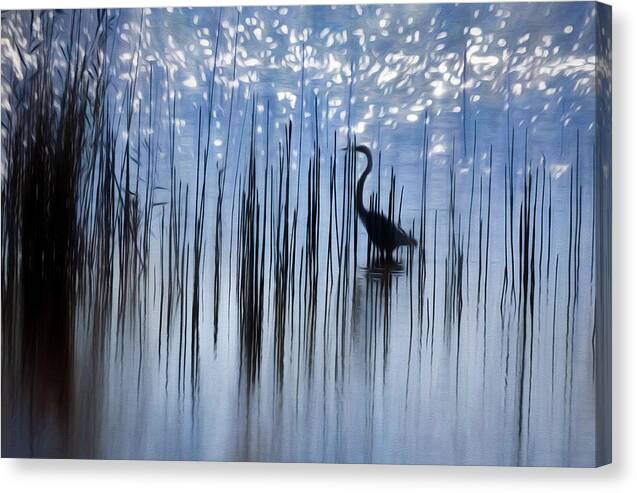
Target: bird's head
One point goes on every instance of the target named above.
(359, 148)
(362, 148)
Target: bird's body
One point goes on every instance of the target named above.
(385, 235)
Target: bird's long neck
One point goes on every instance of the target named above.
(360, 185)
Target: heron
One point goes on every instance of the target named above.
(384, 234)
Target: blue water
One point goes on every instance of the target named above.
(489, 96)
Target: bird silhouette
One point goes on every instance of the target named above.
(385, 235)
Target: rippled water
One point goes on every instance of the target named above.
(242, 315)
